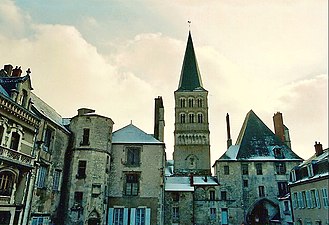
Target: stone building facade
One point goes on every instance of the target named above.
(18, 131)
(253, 173)
(309, 189)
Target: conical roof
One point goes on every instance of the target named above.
(190, 78)
(257, 141)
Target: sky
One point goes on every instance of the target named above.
(117, 56)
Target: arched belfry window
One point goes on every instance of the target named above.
(6, 183)
(199, 102)
(182, 118)
(191, 118)
(190, 102)
(182, 103)
(200, 118)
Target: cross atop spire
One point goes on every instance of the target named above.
(190, 78)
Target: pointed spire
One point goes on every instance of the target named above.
(190, 78)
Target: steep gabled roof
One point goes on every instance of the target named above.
(132, 134)
(257, 142)
(190, 78)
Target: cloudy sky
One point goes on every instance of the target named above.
(117, 56)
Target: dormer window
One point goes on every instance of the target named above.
(310, 172)
(24, 98)
(278, 154)
(48, 139)
(293, 175)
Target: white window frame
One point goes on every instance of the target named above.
(40, 220)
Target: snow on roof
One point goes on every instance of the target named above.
(205, 180)
(132, 134)
(178, 184)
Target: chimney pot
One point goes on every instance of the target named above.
(318, 148)
(8, 68)
(16, 72)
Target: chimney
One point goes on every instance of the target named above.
(83, 111)
(278, 125)
(16, 72)
(318, 148)
(159, 122)
(228, 129)
(8, 68)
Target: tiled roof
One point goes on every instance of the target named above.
(257, 142)
(132, 134)
(190, 78)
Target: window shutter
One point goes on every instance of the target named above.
(110, 216)
(125, 216)
(132, 216)
(148, 216)
(317, 199)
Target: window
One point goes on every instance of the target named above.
(199, 102)
(190, 102)
(308, 200)
(82, 166)
(175, 213)
(259, 169)
(226, 170)
(140, 216)
(85, 136)
(212, 195)
(261, 191)
(245, 183)
(324, 192)
(118, 216)
(286, 206)
(200, 118)
(182, 118)
(278, 154)
(300, 200)
(223, 195)
(133, 156)
(182, 103)
(40, 220)
(315, 198)
(78, 197)
(132, 184)
(293, 175)
(212, 213)
(283, 188)
(42, 174)
(191, 118)
(310, 172)
(96, 189)
(14, 141)
(24, 98)
(295, 200)
(47, 139)
(6, 183)
(175, 196)
(56, 179)
(244, 168)
(1, 134)
(280, 168)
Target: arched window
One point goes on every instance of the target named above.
(6, 183)
(182, 118)
(182, 103)
(190, 102)
(200, 118)
(199, 102)
(14, 141)
(191, 118)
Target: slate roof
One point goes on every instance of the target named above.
(178, 183)
(257, 142)
(190, 78)
(132, 134)
(47, 111)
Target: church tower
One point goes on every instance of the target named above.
(192, 147)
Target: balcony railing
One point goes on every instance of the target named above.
(8, 154)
